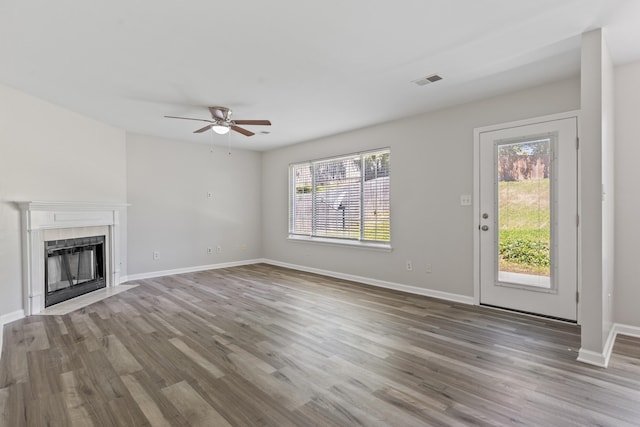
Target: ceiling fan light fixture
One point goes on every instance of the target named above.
(220, 129)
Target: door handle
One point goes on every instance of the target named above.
(485, 227)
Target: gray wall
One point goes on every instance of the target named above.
(627, 215)
(170, 212)
(431, 166)
(49, 153)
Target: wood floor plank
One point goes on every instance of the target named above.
(47, 410)
(35, 337)
(193, 407)
(197, 358)
(121, 359)
(4, 399)
(260, 345)
(162, 323)
(146, 403)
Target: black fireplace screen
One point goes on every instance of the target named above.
(73, 267)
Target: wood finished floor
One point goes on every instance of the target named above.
(261, 345)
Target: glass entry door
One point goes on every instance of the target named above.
(528, 228)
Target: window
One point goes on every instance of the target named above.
(343, 198)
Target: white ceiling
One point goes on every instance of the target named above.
(312, 68)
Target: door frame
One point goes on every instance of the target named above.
(476, 197)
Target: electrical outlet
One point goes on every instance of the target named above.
(156, 255)
(465, 200)
(210, 195)
(219, 249)
(209, 250)
(428, 268)
(409, 266)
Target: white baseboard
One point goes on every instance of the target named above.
(11, 317)
(360, 279)
(593, 358)
(152, 274)
(378, 283)
(631, 331)
(599, 359)
(602, 359)
(8, 318)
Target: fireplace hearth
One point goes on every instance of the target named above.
(73, 267)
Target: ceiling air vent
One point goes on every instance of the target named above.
(427, 80)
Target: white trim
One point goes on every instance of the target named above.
(592, 358)
(599, 359)
(162, 273)
(39, 218)
(608, 345)
(340, 242)
(579, 211)
(628, 330)
(476, 194)
(38, 205)
(476, 215)
(8, 318)
(11, 317)
(526, 122)
(602, 359)
(463, 299)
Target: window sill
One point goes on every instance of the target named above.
(386, 247)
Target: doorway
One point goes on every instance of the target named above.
(527, 216)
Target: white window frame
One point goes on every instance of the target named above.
(342, 241)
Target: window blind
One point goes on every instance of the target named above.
(344, 197)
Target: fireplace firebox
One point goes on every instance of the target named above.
(73, 267)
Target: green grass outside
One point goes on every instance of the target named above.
(524, 226)
(378, 231)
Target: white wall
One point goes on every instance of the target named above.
(168, 182)
(49, 153)
(608, 184)
(431, 166)
(597, 201)
(627, 181)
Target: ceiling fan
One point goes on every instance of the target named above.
(222, 122)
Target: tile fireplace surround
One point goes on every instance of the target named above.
(43, 221)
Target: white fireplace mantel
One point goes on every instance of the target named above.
(38, 217)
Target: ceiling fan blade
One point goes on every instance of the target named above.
(204, 129)
(253, 122)
(242, 131)
(189, 118)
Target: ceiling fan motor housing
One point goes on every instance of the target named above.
(222, 113)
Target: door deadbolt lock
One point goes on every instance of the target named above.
(485, 227)
(485, 215)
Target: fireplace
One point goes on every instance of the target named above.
(73, 267)
(69, 248)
